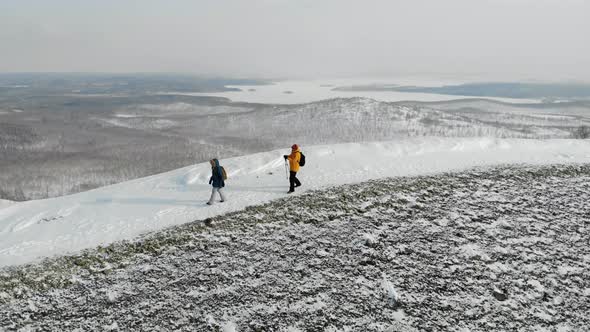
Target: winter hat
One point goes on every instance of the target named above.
(295, 147)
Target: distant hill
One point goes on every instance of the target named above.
(500, 90)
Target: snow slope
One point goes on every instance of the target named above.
(5, 203)
(34, 229)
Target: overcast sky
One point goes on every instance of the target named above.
(544, 39)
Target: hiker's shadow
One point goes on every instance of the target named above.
(259, 189)
(144, 201)
(199, 196)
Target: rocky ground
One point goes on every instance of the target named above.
(505, 248)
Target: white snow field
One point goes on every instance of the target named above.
(5, 203)
(35, 229)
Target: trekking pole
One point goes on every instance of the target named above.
(286, 169)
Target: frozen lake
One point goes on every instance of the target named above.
(298, 92)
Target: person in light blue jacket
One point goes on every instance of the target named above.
(217, 181)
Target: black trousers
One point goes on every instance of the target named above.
(293, 181)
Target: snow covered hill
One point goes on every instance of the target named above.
(43, 228)
(135, 138)
(487, 249)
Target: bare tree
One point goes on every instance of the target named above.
(582, 132)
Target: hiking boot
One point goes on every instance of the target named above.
(290, 191)
(209, 203)
(221, 201)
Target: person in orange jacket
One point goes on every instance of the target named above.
(294, 159)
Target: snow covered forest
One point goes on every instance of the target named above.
(502, 248)
(56, 145)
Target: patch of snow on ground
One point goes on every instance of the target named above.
(5, 203)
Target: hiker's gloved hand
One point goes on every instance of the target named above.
(285, 156)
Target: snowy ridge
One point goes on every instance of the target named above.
(34, 229)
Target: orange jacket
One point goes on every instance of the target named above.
(294, 158)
